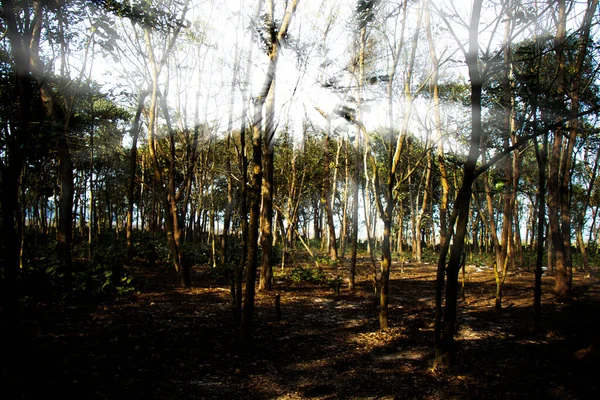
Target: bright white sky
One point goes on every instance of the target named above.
(299, 87)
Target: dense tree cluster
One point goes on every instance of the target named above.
(431, 131)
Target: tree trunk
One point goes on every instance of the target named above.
(567, 158)
(423, 209)
(257, 159)
(266, 222)
(446, 352)
(248, 309)
(165, 186)
(332, 244)
(541, 157)
(135, 130)
(65, 214)
(361, 64)
(266, 218)
(354, 239)
(10, 206)
(243, 160)
(561, 287)
(386, 263)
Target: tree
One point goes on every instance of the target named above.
(23, 39)
(273, 43)
(135, 131)
(166, 184)
(566, 161)
(445, 351)
(386, 196)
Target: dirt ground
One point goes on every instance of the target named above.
(169, 343)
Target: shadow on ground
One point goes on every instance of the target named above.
(170, 343)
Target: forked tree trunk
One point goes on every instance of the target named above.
(274, 51)
(445, 346)
(266, 218)
(255, 189)
(395, 150)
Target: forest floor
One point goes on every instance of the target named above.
(165, 342)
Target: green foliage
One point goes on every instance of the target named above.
(530, 259)
(142, 13)
(99, 279)
(195, 253)
(308, 275)
(365, 12)
(277, 255)
(480, 259)
(327, 261)
(222, 273)
(150, 248)
(429, 256)
(316, 275)
(593, 259)
(45, 279)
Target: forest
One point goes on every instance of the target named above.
(299, 199)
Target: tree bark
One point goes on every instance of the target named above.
(423, 208)
(229, 204)
(135, 130)
(257, 175)
(561, 287)
(332, 244)
(567, 159)
(266, 218)
(166, 185)
(541, 157)
(446, 351)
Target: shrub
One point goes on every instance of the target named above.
(150, 248)
(308, 274)
(195, 253)
(45, 278)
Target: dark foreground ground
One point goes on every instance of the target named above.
(169, 343)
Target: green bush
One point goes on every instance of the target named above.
(222, 273)
(327, 261)
(46, 278)
(101, 278)
(195, 253)
(308, 274)
(429, 256)
(149, 248)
